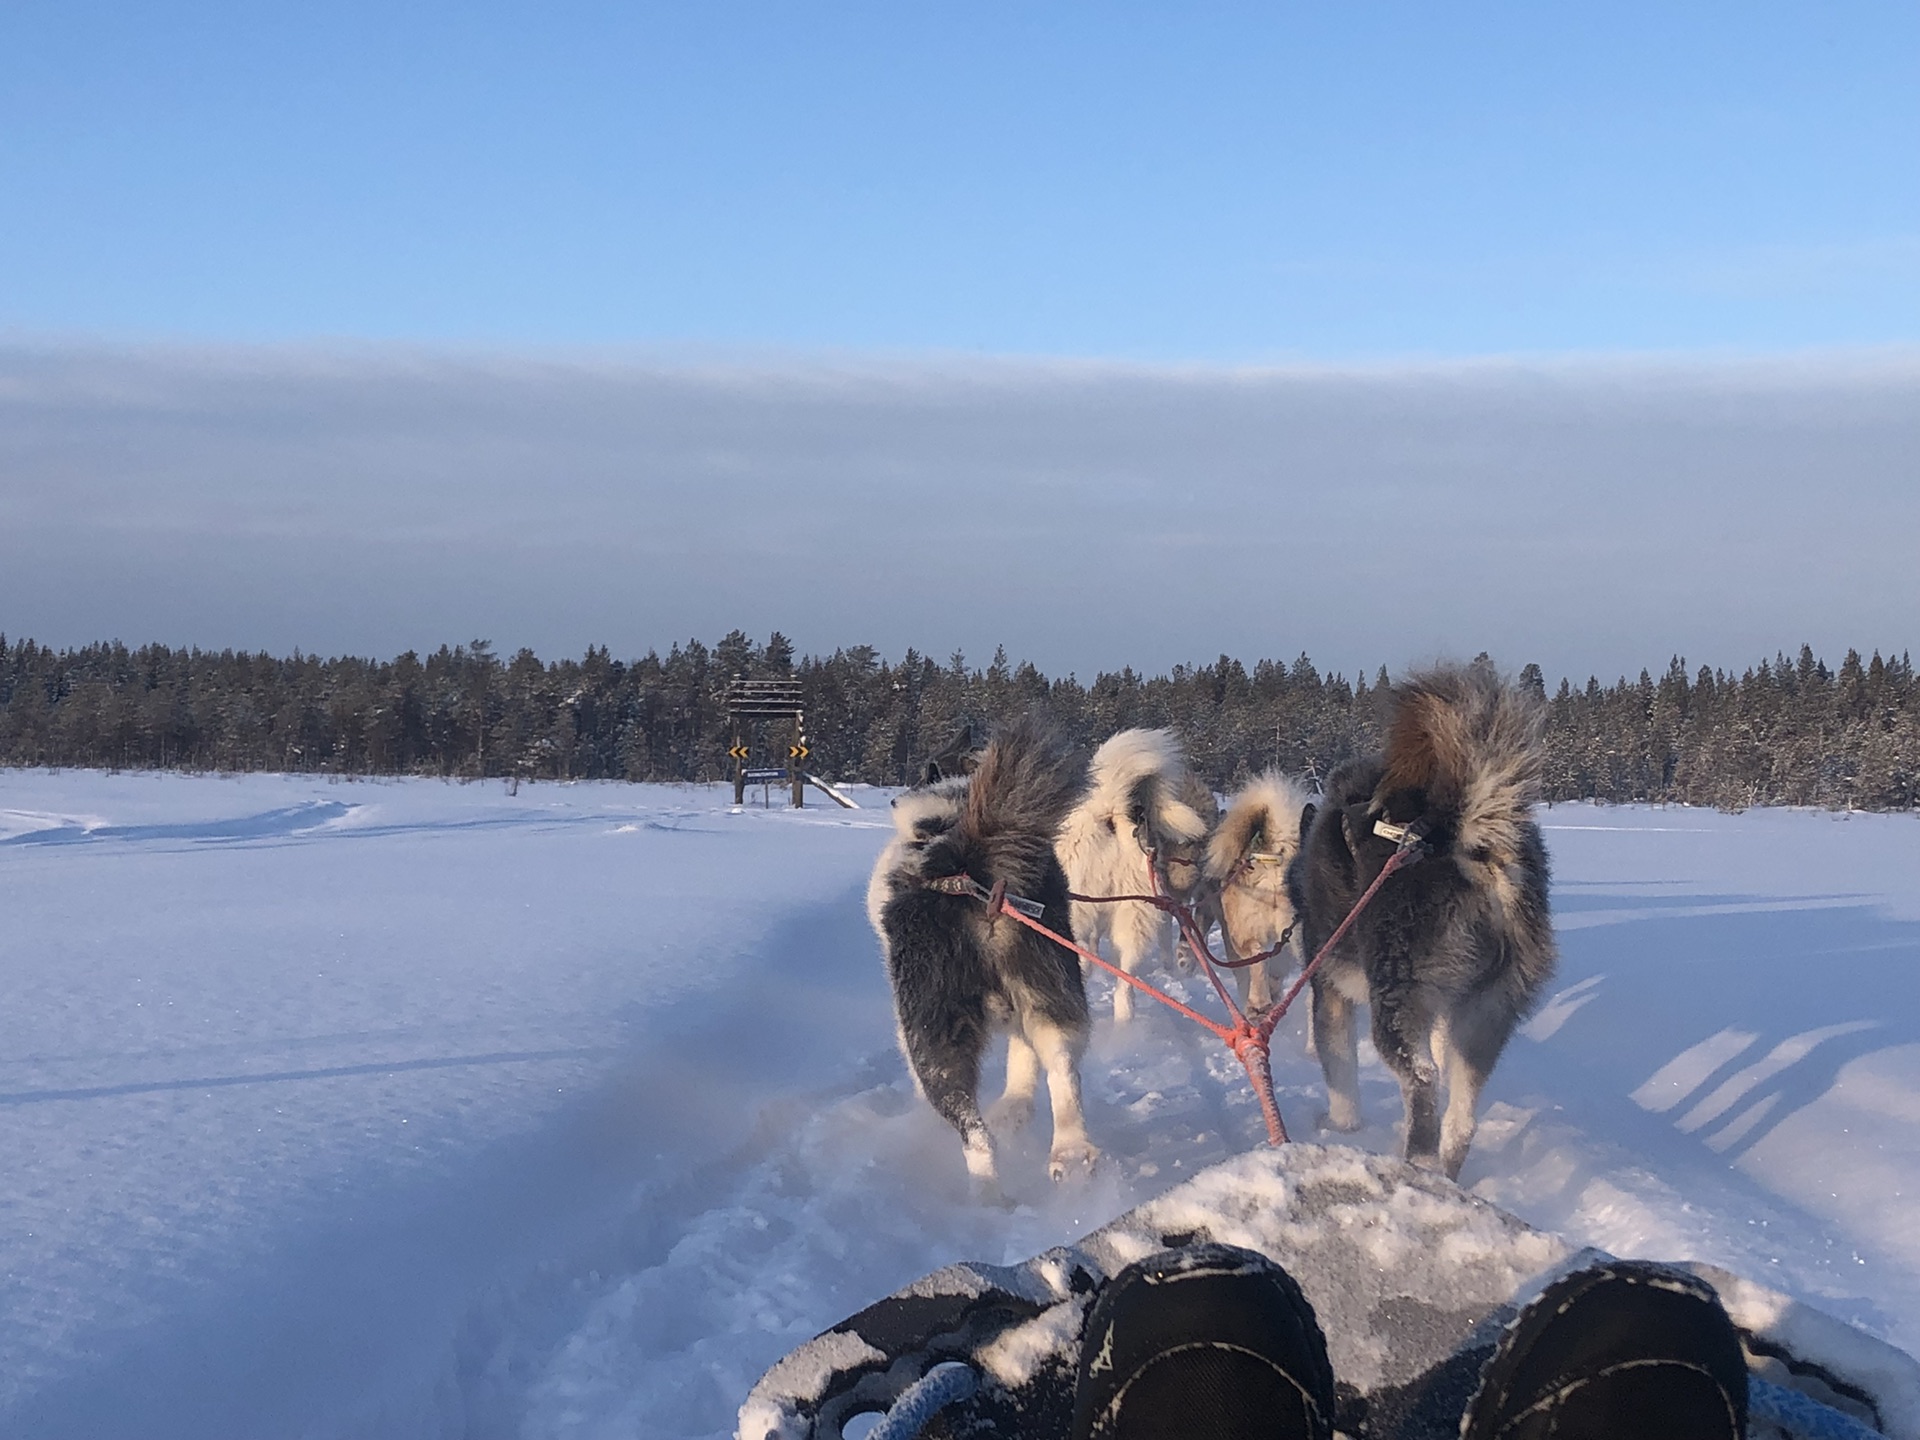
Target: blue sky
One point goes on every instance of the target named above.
(1117, 334)
(1325, 182)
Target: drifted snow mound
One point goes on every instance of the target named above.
(1413, 1281)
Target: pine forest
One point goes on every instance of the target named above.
(1785, 731)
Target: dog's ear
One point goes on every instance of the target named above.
(1306, 820)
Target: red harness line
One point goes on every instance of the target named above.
(1248, 1040)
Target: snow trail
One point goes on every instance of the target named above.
(407, 1108)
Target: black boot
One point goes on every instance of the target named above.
(1624, 1349)
(1210, 1341)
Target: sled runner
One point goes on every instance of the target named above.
(1413, 1281)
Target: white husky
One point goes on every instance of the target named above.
(1143, 797)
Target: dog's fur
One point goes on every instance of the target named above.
(1246, 873)
(1452, 952)
(1143, 797)
(960, 974)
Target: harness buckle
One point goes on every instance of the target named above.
(964, 884)
(1406, 837)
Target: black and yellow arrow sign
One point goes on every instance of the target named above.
(798, 752)
(738, 752)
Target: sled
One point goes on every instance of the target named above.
(1412, 1278)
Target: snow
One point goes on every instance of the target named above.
(411, 1108)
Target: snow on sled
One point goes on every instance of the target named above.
(1412, 1278)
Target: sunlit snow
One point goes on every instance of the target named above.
(410, 1108)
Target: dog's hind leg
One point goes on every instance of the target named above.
(1242, 979)
(1060, 1050)
(1089, 929)
(1339, 1042)
(1014, 1108)
(1138, 931)
(1172, 946)
(1475, 1034)
(1403, 1034)
(949, 1074)
(1255, 981)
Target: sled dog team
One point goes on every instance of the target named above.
(1448, 957)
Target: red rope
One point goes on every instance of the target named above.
(1134, 980)
(1248, 1041)
(1405, 855)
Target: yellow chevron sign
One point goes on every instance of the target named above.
(798, 752)
(738, 752)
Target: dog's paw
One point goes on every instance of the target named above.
(1077, 1158)
(1341, 1120)
(1010, 1113)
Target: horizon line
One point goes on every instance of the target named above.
(693, 357)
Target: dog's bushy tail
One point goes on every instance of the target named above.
(1264, 814)
(1024, 784)
(1140, 771)
(1473, 746)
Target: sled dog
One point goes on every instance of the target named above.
(1452, 952)
(1143, 798)
(1246, 873)
(959, 973)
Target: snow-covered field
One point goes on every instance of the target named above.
(410, 1108)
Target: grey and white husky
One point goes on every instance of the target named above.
(961, 974)
(1453, 952)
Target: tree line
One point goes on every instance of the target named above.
(1784, 731)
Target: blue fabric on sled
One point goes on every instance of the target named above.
(940, 1387)
(1802, 1415)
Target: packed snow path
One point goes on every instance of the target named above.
(413, 1109)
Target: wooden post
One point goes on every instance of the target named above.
(797, 759)
(739, 766)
